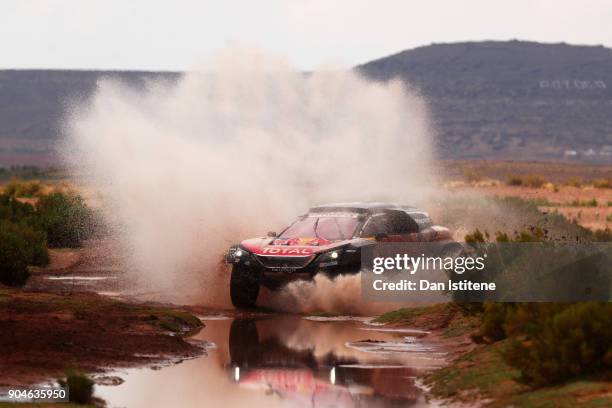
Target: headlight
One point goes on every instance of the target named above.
(330, 257)
(236, 254)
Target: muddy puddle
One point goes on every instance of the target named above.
(280, 360)
(264, 360)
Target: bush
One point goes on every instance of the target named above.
(59, 220)
(15, 211)
(530, 180)
(534, 181)
(13, 258)
(473, 175)
(20, 246)
(492, 321)
(602, 235)
(35, 245)
(603, 183)
(80, 387)
(562, 341)
(65, 218)
(514, 180)
(21, 243)
(574, 182)
(584, 203)
(15, 188)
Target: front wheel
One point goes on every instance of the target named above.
(244, 286)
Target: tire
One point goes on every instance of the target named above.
(243, 342)
(244, 287)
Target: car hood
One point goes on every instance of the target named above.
(290, 247)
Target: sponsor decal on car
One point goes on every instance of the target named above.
(286, 251)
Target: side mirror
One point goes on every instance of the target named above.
(380, 236)
(272, 234)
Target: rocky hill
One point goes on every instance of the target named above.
(513, 100)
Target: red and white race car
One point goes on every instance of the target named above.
(328, 239)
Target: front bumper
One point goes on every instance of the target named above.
(278, 270)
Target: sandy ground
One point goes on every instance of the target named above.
(567, 200)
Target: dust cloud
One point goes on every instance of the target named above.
(235, 148)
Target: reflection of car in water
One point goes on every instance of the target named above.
(263, 361)
(328, 239)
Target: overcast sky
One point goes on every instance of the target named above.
(175, 35)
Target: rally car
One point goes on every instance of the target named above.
(328, 239)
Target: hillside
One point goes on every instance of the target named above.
(33, 102)
(505, 100)
(516, 100)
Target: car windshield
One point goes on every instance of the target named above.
(327, 227)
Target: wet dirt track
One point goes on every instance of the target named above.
(262, 359)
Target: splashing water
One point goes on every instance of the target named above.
(236, 148)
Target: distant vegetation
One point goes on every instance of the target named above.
(536, 181)
(584, 203)
(27, 189)
(603, 183)
(530, 180)
(30, 172)
(555, 173)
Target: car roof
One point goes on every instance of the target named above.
(361, 207)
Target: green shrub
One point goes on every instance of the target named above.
(13, 257)
(22, 242)
(65, 218)
(80, 387)
(35, 245)
(20, 246)
(15, 211)
(551, 342)
(562, 341)
(493, 320)
(474, 238)
(59, 220)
